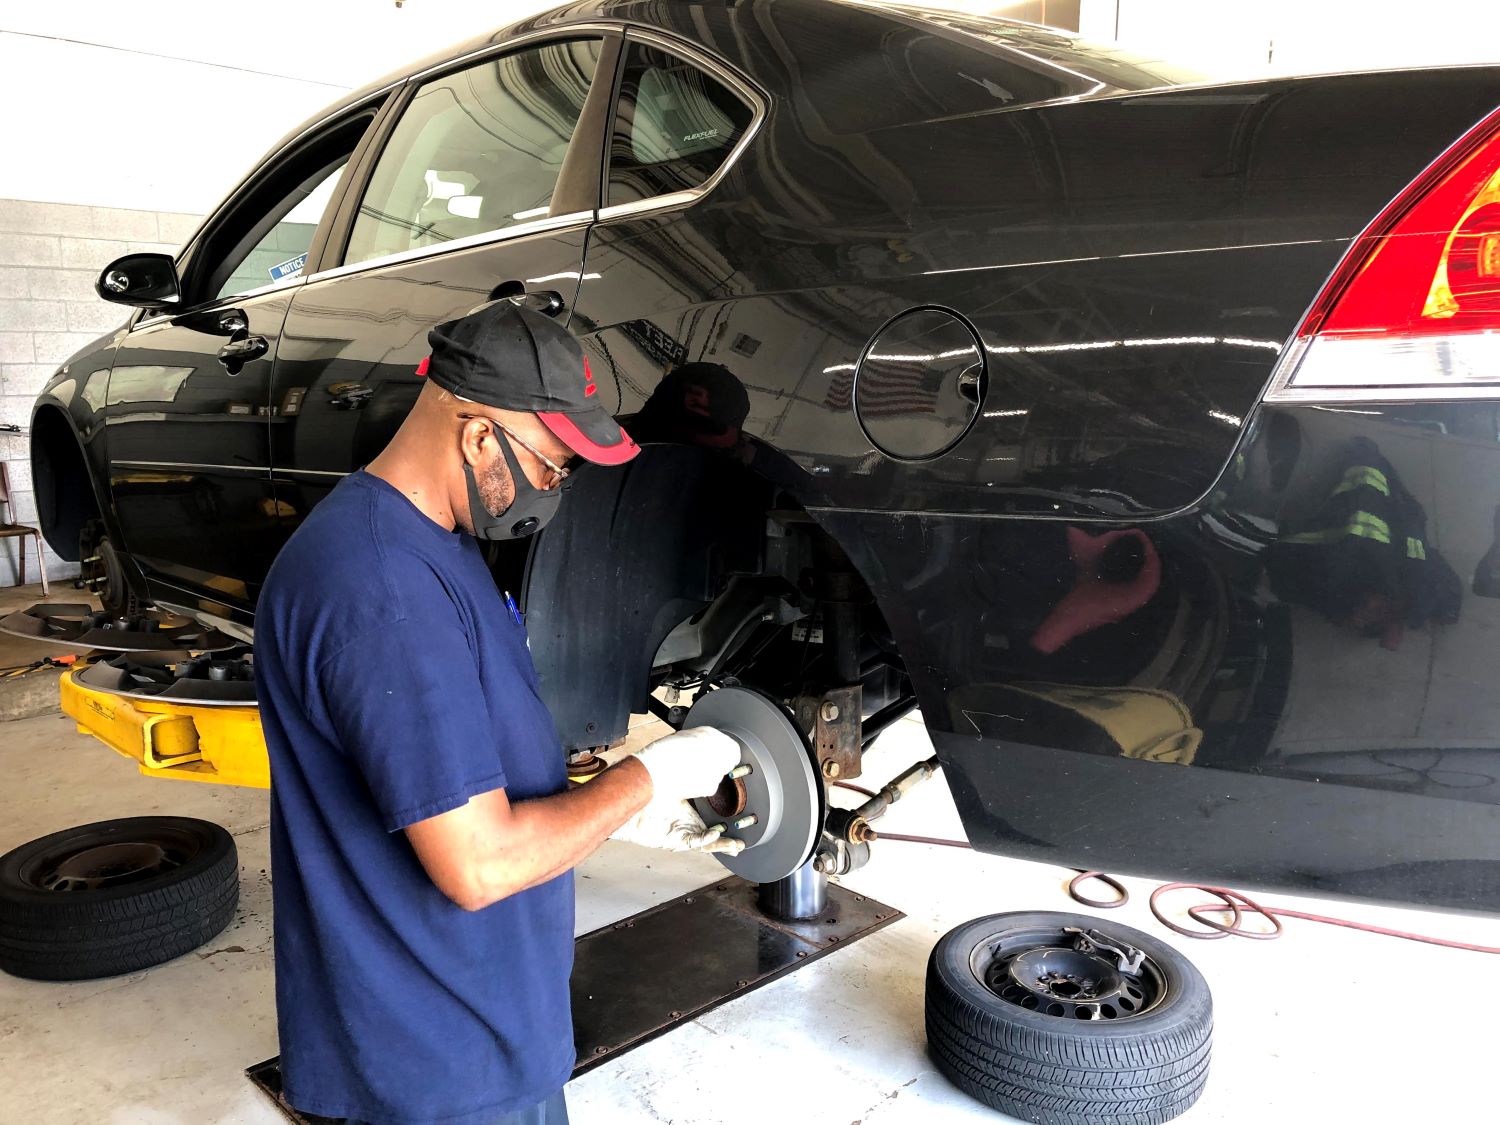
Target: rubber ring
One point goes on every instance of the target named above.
(1122, 896)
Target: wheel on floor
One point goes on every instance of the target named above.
(1065, 1019)
(114, 897)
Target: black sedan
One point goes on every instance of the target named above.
(1143, 431)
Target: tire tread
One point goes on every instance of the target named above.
(1063, 1072)
(82, 936)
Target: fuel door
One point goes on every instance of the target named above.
(919, 384)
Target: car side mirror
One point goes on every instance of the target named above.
(144, 281)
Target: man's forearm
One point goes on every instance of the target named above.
(549, 835)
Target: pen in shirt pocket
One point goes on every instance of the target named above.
(510, 604)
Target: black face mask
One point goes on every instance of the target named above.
(531, 508)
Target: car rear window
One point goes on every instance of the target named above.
(674, 127)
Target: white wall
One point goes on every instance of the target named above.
(163, 106)
(1249, 38)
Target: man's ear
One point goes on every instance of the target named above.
(473, 440)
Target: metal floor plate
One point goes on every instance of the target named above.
(692, 954)
(686, 957)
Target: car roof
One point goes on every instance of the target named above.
(725, 26)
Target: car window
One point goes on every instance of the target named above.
(476, 151)
(278, 256)
(674, 126)
(262, 235)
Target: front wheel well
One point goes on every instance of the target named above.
(65, 496)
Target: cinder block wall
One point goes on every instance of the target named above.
(50, 256)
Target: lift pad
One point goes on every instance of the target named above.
(640, 977)
(172, 740)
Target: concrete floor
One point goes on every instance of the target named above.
(1311, 1027)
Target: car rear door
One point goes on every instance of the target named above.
(188, 396)
(483, 186)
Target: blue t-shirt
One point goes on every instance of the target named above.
(394, 685)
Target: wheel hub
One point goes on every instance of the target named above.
(781, 792)
(1065, 974)
(107, 865)
(1070, 975)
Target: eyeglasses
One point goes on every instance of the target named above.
(556, 474)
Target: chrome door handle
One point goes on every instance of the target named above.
(241, 349)
(548, 302)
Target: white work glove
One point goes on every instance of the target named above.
(675, 826)
(689, 763)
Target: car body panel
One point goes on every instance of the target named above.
(1127, 256)
(188, 440)
(1248, 737)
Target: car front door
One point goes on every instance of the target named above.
(484, 187)
(187, 401)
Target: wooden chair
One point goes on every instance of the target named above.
(19, 531)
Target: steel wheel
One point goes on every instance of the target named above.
(1044, 971)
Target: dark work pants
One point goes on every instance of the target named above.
(553, 1111)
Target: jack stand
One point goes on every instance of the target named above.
(802, 894)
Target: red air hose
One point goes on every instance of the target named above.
(1234, 903)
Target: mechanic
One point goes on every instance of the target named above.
(422, 831)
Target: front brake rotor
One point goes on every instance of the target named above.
(781, 791)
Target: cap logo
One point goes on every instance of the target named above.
(588, 379)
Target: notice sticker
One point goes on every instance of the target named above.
(289, 268)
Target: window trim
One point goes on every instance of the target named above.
(738, 84)
(504, 234)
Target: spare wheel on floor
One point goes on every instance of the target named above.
(1065, 1019)
(115, 896)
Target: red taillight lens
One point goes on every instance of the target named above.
(1414, 308)
(1431, 262)
(1473, 262)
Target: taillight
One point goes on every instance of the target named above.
(1415, 304)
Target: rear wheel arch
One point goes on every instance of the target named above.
(635, 552)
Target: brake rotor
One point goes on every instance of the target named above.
(781, 791)
(199, 680)
(83, 627)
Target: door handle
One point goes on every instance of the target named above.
(548, 302)
(349, 396)
(241, 349)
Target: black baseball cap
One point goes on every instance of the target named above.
(513, 358)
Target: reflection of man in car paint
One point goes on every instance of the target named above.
(1363, 558)
(697, 403)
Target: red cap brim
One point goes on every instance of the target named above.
(566, 430)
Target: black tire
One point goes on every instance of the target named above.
(1135, 1068)
(114, 897)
